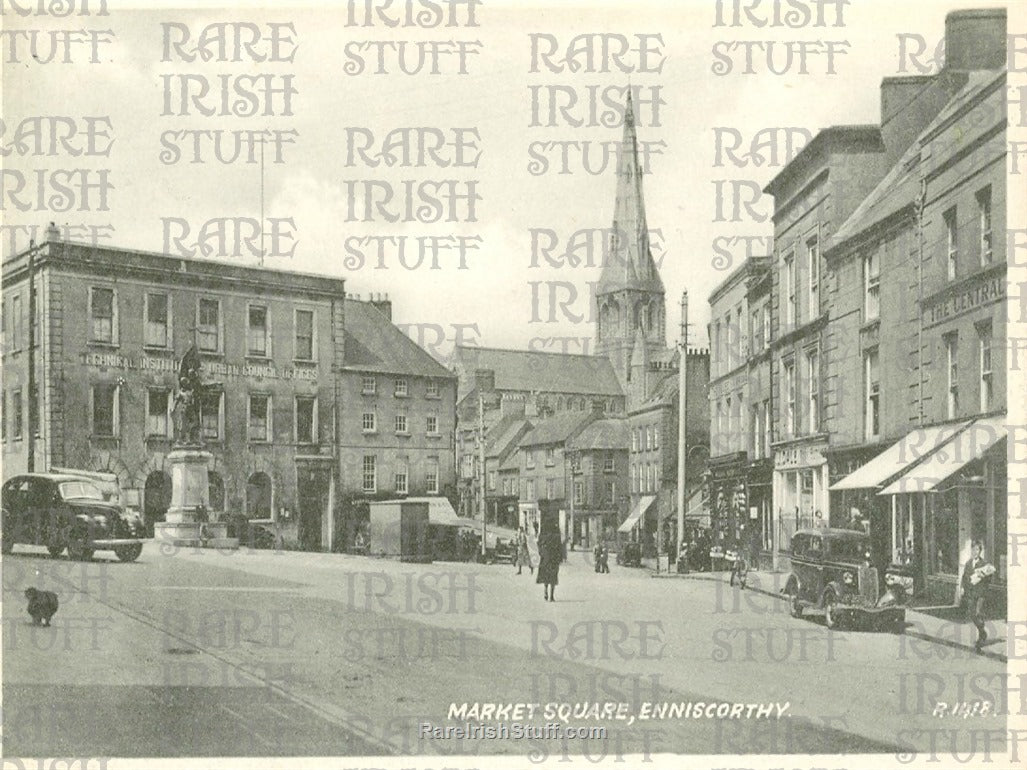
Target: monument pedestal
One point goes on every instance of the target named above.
(185, 523)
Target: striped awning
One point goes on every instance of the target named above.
(949, 458)
(912, 448)
(636, 513)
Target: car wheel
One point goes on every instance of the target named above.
(128, 552)
(795, 606)
(6, 541)
(831, 618)
(77, 548)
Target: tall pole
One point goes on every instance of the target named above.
(481, 464)
(30, 423)
(261, 200)
(682, 402)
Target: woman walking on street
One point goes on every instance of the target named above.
(550, 551)
(523, 558)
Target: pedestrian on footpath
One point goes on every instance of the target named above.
(550, 551)
(977, 574)
(523, 558)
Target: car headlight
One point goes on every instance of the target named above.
(849, 579)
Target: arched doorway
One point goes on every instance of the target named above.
(156, 498)
(258, 496)
(216, 491)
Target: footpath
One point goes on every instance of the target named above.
(920, 623)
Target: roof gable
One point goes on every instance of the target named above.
(374, 344)
(535, 371)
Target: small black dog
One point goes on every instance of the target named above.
(42, 605)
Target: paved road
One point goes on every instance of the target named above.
(290, 654)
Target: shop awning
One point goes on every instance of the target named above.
(636, 513)
(912, 447)
(949, 458)
(698, 511)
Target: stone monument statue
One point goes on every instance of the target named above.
(187, 522)
(188, 399)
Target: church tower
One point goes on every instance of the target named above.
(629, 295)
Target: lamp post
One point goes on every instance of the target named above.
(484, 381)
(682, 416)
(481, 461)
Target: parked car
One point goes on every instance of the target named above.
(60, 510)
(831, 570)
(629, 555)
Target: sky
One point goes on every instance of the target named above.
(501, 291)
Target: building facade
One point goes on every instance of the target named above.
(760, 471)
(597, 460)
(921, 283)
(813, 194)
(739, 407)
(655, 443)
(521, 384)
(398, 421)
(281, 368)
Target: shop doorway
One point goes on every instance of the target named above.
(258, 496)
(313, 482)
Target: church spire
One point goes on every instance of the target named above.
(629, 262)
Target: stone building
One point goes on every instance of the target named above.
(281, 361)
(632, 376)
(919, 443)
(597, 459)
(739, 405)
(398, 418)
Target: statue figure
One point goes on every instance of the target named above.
(188, 398)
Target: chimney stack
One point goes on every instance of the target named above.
(975, 39)
(383, 303)
(485, 380)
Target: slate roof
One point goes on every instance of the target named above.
(901, 185)
(374, 344)
(556, 429)
(663, 393)
(527, 370)
(606, 433)
(504, 434)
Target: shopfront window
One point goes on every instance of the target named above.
(904, 531)
(996, 474)
(945, 535)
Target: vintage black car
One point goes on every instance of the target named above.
(630, 555)
(61, 511)
(831, 570)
